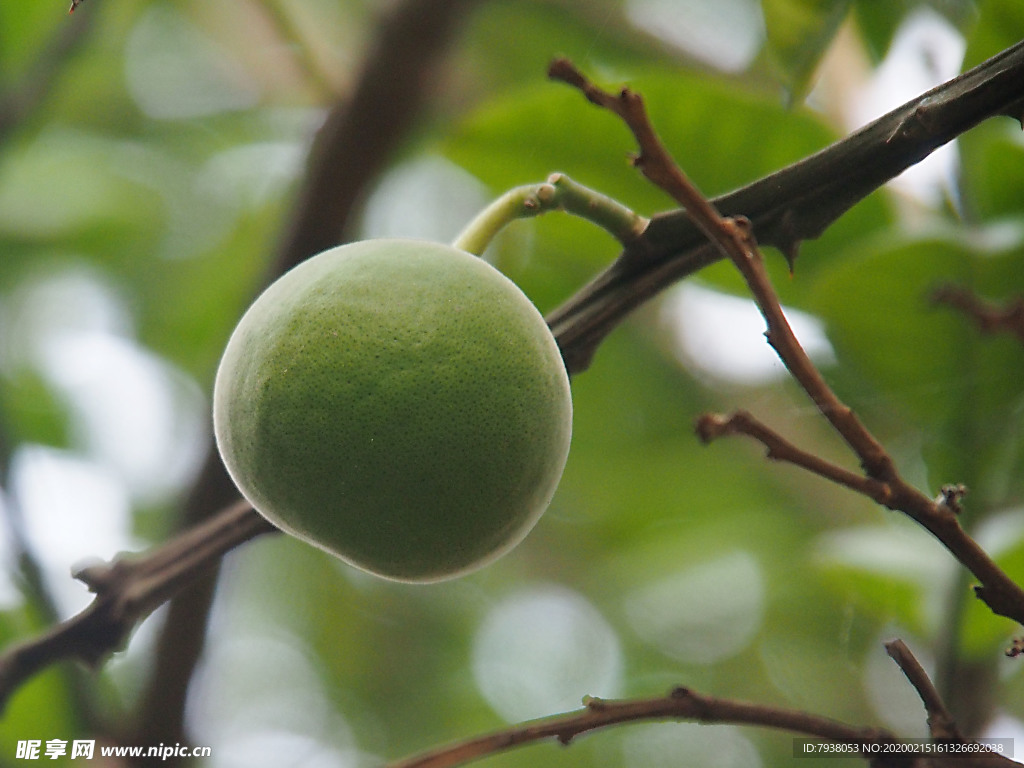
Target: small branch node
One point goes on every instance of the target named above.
(989, 316)
(743, 230)
(1016, 648)
(96, 574)
(711, 426)
(680, 692)
(950, 497)
(564, 70)
(546, 194)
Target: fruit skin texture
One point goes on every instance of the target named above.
(400, 404)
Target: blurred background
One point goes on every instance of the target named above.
(158, 164)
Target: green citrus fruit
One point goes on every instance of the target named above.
(401, 404)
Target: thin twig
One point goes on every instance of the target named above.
(684, 704)
(654, 160)
(938, 516)
(710, 426)
(794, 203)
(733, 237)
(679, 704)
(941, 724)
(989, 316)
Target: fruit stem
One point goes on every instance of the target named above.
(559, 192)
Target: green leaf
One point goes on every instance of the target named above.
(24, 31)
(895, 571)
(45, 706)
(993, 186)
(32, 412)
(1000, 24)
(927, 363)
(879, 21)
(875, 307)
(800, 33)
(511, 43)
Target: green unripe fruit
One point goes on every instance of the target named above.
(401, 404)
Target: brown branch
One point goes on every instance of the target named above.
(679, 704)
(654, 160)
(127, 590)
(684, 704)
(938, 516)
(796, 203)
(711, 426)
(941, 724)
(733, 237)
(989, 316)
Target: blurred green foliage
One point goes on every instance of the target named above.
(141, 200)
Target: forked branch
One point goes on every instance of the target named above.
(680, 704)
(989, 315)
(880, 747)
(734, 239)
(795, 203)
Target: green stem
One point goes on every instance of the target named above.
(559, 192)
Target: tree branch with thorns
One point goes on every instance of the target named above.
(734, 238)
(792, 204)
